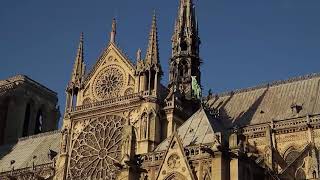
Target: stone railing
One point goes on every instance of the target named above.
(190, 152)
(109, 101)
(151, 157)
(282, 126)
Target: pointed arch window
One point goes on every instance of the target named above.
(26, 121)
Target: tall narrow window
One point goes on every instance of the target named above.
(3, 118)
(26, 121)
(39, 120)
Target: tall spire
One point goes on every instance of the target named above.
(185, 61)
(79, 66)
(152, 56)
(113, 31)
(185, 37)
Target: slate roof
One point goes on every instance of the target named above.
(200, 128)
(271, 101)
(24, 151)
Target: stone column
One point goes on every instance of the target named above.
(218, 167)
(170, 121)
(235, 168)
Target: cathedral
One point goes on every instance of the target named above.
(121, 123)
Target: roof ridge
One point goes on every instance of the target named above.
(22, 77)
(270, 84)
(39, 135)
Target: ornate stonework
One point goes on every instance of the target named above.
(109, 83)
(121, 123)
(96, 150)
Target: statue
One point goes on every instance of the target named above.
(196, 89)
(64, 141)
(127, 144)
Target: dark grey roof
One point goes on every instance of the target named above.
(268, 102)
(28, 150)
(200, 128)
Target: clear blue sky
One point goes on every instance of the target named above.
(244, 43)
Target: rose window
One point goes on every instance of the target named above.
(97, 149)
(109, 83)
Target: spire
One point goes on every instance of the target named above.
(185, 61)
(185, 37)
(113, 31)
(79, 66)
(152, 56)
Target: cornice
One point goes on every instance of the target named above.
(283, 126)
(15, 81)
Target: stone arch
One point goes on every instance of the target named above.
(175, 176)
(183, 68)
(128, 91)
(40, 119)
(291, 153)
(144, 125)
(300, 174)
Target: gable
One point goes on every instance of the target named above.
(200, 128)
(175, 165)
(114, 69)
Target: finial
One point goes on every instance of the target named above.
(81, 37)
(113, 31)
(139, 54)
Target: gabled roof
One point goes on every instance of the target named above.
(101, 58)
(200, 128)
(28, 150)
(272, 101)
(175, 163)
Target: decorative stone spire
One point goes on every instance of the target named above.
(77, 75)
(185, 37)
(79, 66)
(185, 61)
(139, 55)
(113, 31)
(152, 56)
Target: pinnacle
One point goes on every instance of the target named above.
(152, 51)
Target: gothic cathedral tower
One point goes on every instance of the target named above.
(185, 61)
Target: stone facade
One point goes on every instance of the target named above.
(120, 122)
(26, 108)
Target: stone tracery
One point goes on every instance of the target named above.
(109, 83)
(97, 149)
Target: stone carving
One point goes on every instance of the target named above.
(86, 101)
(64, 142)
(129, 91)
(109, 83)
(174, 161)
(97, 149)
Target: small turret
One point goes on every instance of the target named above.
(77, 76)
